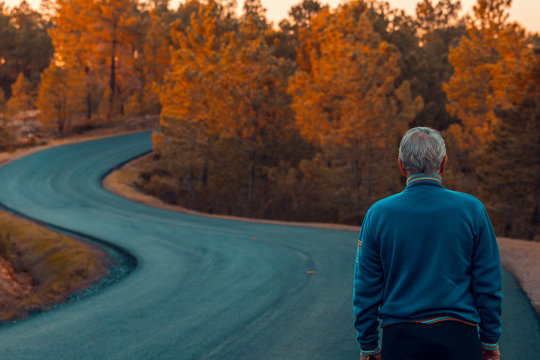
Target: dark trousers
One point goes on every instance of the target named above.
(445, 340)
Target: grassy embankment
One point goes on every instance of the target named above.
(125, 182)
(58, 265)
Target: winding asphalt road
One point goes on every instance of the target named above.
(204, 288)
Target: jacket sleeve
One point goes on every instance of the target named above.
(368, 290)
(487, 282)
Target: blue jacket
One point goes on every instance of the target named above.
(425, 255)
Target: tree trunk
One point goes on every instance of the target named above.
(63, 117)
(535, 214)
(112, 81)
(204, 176)
(88, 105)
(252, 157)
(88, 95)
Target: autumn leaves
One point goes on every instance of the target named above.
(239, 119)
(302, 121)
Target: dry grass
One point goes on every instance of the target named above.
(57, 264)
(123, 183)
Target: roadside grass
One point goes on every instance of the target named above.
(126, 177)
(124, 181)
(58, 265)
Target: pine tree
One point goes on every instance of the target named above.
(21, 100)
(346, 101)
(73, 49)
(114, 38)
(225, 103)
(34, 48)
(190, 97)
(104, 51)
(57, 98)
(509, 171)
(5, 138)
(254, 84)
(156, 57)
(288, 39)
(19, 105)
(436, 27)
(2, 102)
(24, 45)
(491, 67)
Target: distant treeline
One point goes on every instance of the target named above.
(298, 122)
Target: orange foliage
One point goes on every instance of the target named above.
(97, 37)
(346, 95)
(228, 82)
(155, 60)
(21, 99)
(57, 98)
(158, 142)
(492, 67)
(225, 88)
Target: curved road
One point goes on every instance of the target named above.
(204, 288)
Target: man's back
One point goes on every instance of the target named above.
(426, 238)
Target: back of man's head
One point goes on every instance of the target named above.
(422, 150)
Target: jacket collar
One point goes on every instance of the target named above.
(424, 177)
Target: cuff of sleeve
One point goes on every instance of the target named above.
(375, 351)
(489, 346)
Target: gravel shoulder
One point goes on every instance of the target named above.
(521, 258)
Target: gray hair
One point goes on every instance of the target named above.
(422, 150)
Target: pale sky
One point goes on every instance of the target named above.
(527, 12)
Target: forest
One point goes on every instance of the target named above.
(299, 120)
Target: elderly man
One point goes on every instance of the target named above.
(427, 266)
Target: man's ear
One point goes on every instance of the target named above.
(443, 164)
(402, 167)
